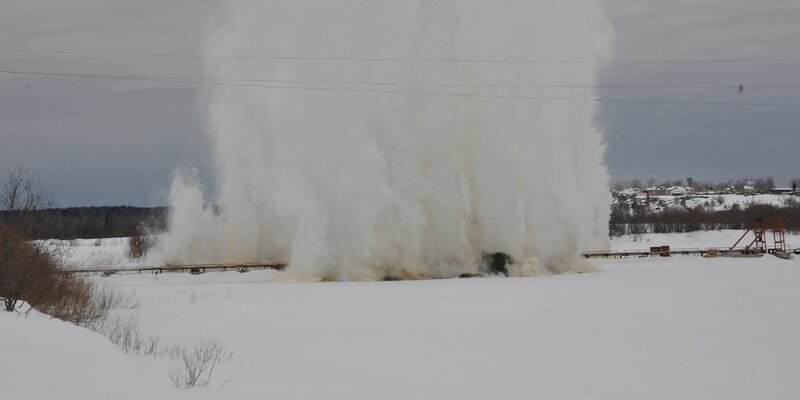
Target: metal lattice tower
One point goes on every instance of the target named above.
(778, 235)
(759, 243)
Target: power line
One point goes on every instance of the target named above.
(449, 84)
(422, 84)
(400, 59)
(397, 92)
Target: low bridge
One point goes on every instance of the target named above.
(282, 265)
(187, 268)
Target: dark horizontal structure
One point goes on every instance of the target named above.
(188, 268)
(681, 252)
(663, 251)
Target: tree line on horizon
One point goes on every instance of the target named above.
(39, 218)
(627, 220)
(90, 222)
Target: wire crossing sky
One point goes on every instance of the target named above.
(105, 99)
(397, 59)
(238, 82)
(211, 80)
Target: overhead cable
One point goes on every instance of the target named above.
(394, 92)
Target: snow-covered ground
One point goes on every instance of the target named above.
(693, 240)
(712, 202)
(91, 253)
(656, 328)
(45, 358)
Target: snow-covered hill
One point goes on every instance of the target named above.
(708, 202)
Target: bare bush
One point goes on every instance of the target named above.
(195, 366)
(28, 270)
(23, 194)
(33, 272)
(151, 346)
(124, 332)
(187, 367)
(75, 300)
(82, 302)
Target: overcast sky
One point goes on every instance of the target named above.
(111, 142)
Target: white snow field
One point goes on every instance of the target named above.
(45, 358)
(95, 253)
(644, 328)
(694, 240)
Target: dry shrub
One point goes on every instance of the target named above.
(125, 333)
(28, 271)
(73, 300)
(194, 366)
(187, 366)
(32, 272)
(82, 302)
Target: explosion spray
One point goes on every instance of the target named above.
(367, 141)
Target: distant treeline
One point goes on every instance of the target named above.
(625, 221)
(91, 222)
(106, 222)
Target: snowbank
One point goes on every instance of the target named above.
(44, 358)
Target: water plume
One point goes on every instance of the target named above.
(368, 177)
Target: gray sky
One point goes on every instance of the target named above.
(97, 142)
(706, 142)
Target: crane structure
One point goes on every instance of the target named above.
(759, 243)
